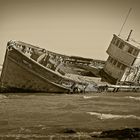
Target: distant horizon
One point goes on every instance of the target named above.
(82, 28)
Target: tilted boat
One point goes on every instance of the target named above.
(30, 68)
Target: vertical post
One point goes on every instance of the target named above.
(129, 35)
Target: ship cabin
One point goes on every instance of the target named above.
(123, 63)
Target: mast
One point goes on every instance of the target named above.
(125, 21)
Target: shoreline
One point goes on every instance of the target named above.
(71, 134)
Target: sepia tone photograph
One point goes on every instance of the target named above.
(69, 69)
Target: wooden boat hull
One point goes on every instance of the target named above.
(21, 72)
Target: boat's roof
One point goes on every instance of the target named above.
(131, 41)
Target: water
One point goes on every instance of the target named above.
(43, 116)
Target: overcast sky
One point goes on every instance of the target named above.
(71, 27)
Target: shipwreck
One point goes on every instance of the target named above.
(123, 64)
(30, 68)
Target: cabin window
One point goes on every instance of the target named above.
(130, 50)
(123, 67)
(114, 40)
(118, 64)
(111, 60)
(135, 52)
(117, 43)
(114, 63)
(121, 46)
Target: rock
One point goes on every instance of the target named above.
(69, 131)
(124, 133)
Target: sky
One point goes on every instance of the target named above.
(71, 27)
